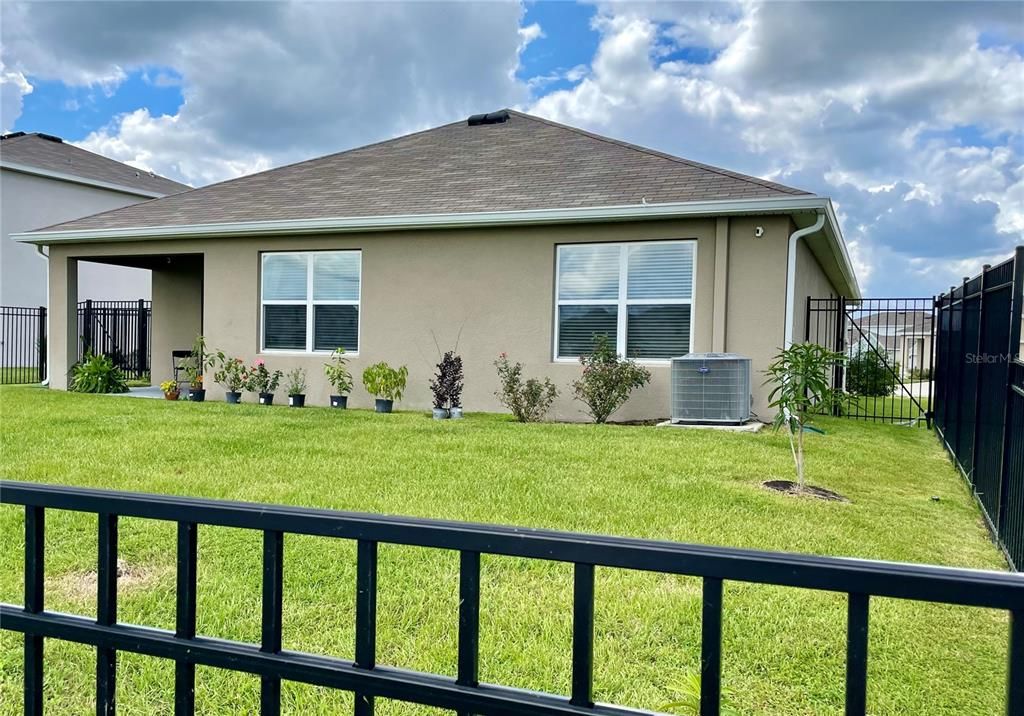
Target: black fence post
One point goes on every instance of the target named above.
(42, 343)
(981, 370)
(142, 332)
(86, 329)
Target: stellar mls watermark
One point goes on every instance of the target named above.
(987, 358)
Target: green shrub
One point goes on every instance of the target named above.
(607, 380)
(97, 374)
(869, 374)
(385, 382)
(528, 400)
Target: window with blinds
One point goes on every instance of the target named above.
(639, 295)
(309, 301)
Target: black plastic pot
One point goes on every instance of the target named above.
(339, 401)
(296, 400)
(266, 398)
(233, 397)
(384, 406)
(197, 395)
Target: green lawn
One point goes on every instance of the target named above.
(783, 648)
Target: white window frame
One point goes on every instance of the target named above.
(310, 303)
(623, 302)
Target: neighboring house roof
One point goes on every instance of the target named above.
(893, 323)
(523, 163)
(46, 155)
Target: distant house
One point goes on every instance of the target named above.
(44, 181)
(507, 232)
(904, 338)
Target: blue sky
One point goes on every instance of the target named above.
(909, 115)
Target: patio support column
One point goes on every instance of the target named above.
(62, 341)
(721, 284)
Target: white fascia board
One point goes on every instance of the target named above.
(632, 212)
(75, 179)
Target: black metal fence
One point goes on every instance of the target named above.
(979, 393)
(22, 344)
(859, 579)
(889, 349)
(119, 329)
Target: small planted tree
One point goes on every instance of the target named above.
(339, 377)
(799, 376)
(607, 380)
(386, 383)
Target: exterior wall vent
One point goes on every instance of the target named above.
(710, 388)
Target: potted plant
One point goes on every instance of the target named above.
(296, 388)
(339, 378)
(446, 386)
(232, 376)
(453, 376)
(195, 366)
(386, 383)
(170, 389)
(263, 382)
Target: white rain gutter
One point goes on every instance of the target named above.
(75, 179)
(791, 273)
(630, 212)
(39, 250)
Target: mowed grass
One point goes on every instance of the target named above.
(783, 648)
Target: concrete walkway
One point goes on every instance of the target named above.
(149, 391)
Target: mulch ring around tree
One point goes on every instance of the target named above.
(793, 488)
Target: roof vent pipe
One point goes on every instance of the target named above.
(489, 118)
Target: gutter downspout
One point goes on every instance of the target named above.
(39, 249)
(791, 274)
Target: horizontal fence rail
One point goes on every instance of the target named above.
(889, 348)
(22, 344)
(859, 579)
(980, 393)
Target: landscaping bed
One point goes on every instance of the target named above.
(783, 649)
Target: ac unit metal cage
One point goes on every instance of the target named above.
(710, 388)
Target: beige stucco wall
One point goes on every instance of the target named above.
(496, 285)
(177, 316)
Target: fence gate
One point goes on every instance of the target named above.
(979, 381)
(889, 344)
(119, 329)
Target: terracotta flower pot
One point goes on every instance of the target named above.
(172, 395)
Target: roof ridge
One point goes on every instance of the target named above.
(662, 155)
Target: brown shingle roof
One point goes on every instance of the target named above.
(524, 163)
(52, 154)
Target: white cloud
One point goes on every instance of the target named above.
(13, 86)
(276, 82)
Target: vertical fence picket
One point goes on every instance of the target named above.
(469, 621)
(366, 617)
(185, 617)
(583, 636)
(856, 654)
(273, 584)
(711, 647)
(34, 571)
(106, 613)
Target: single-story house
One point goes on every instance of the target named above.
(45, 180)
(503, 233)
